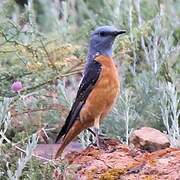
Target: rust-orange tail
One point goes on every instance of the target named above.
(72, 133)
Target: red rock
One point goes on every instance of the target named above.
(149, 139)
(118, 161)
(98, 164)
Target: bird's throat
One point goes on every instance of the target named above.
(92, 53)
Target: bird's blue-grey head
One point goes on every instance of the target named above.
(102, 39)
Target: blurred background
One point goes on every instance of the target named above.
(43, 46)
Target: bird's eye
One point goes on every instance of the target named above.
(102, 33)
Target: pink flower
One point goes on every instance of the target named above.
(16, 86)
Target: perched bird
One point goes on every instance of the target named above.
(98, 90)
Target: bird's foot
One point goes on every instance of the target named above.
(101, 144)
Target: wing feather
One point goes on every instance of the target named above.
(90, 78)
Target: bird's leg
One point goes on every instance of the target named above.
(92, 137)
(99, 142)
(96, 129)
(97, 136)
(90, 130)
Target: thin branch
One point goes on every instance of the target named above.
(132, 38)
(23, 151)
(138, 10)
(54, 107)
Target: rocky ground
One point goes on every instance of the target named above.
(146, 158)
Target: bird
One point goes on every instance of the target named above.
(98, 89)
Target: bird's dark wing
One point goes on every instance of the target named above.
(90, 77)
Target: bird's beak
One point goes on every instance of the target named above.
(119, 32)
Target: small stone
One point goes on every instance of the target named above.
(149, 139)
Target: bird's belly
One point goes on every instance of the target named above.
(102, 97)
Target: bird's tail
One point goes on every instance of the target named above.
(71, 134)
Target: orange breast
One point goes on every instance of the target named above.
(105, 92)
